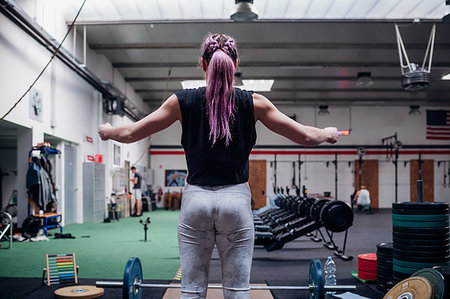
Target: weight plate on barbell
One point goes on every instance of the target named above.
(316, 280)
(435, 278)
(420, 218)
(413, 287)
(420, 205)
(132, 275)
(79, 291)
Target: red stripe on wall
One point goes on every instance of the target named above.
(310, 152)
(438, 138)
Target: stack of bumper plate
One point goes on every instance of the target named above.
(384, 266)
(420, 237)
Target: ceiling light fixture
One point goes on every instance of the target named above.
(364, 79)
(446, 77)
(244, 11)
(414, 110)
(249, 84)
(323, 110)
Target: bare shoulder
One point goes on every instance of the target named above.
(173, 106)
(261, 105)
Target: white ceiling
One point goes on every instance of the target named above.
(313, 49)
(126, 10)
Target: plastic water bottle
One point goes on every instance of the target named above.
(330, 273)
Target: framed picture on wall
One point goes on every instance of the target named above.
(116, 155)
(175, 178)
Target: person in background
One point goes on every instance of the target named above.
(362, 198)
(137, 191)
(218, 134)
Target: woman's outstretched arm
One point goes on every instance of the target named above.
(281, 124)
(163, 117)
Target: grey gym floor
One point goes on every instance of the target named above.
(288, 266)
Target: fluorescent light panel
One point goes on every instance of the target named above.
(249, 84)
(446, 77)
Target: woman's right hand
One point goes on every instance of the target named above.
(332, 134)
(103, 130)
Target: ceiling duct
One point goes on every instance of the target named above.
(244, 11)
(415, 77)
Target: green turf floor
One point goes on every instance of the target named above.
(104, 253)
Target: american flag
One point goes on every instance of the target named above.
(438, 124)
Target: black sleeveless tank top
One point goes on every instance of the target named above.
(217, 165)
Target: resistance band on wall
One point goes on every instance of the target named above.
(48, 63)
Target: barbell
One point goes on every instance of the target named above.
(132, 284)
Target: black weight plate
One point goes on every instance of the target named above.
(421, 230)
(421, 248)
(444, 270)
(384, 261)
(406, 236)
(435, 278)
(385, 246)
(384, 273)
(386, 276)
(385, 268)
(397, 277)
(420, 205)
(420, 212)
(415, 242)
(383, 286)
(409, 253)
(316, 208)
(304, 208)
(336, 216)
(384, 258)
(420, 259)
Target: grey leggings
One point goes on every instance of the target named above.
(220, 216)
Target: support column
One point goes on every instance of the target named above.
(26, 138)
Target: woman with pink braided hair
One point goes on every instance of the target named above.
(218, 133)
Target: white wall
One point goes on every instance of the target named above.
(71, 107)
(8, 165)
(369, 125)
